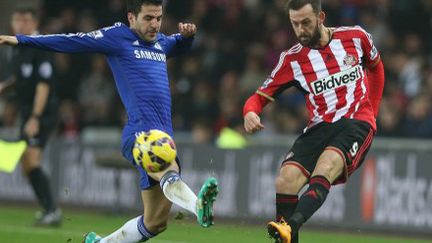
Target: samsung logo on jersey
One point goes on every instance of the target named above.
(337, 80)
(140, 54)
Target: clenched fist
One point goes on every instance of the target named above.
(187, 30)
(252, 122)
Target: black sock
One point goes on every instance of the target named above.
(309, 202)
(285, 207)
(42, 189)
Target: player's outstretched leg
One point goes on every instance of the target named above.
(288, 184)
(206, 198)
(179, 193)
(309, 203)
(132, 231)
(285, 206)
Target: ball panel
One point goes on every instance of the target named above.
(154, 150)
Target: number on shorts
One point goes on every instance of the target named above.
(354, 149)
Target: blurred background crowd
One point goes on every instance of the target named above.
(237, 45)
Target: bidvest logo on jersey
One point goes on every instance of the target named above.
(336, 80)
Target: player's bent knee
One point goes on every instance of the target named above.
(290, 180)
(283, 186)
(324, 170)
(330, 169)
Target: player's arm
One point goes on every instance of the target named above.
(180, 43)
(44, 75)
(40, 100)
(100, 41)
(376, 79)
(280, 79)
(32, 126)
(251, 111)
(375, 71)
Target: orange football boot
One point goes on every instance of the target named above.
(280, 231)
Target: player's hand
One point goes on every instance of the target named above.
(252, 122)
(31, 127)
(8, 40)
(187, 30)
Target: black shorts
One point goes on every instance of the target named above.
(350, 138)
(47, 124)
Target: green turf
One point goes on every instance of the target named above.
(15, 227)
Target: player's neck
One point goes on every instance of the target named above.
(326, 35)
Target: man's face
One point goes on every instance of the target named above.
(307, 25)
(148, 22)
(23, 23)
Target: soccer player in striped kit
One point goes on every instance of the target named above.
(137, 57)
(340, 72)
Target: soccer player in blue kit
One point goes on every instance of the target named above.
(137, 57)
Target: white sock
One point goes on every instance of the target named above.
(178, 192)
(132, 232)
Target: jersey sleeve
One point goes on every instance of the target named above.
(175, 45)
(44, 67)
(280, 79)
(104, 41)
(371, 53)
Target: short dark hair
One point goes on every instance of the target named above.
(134, 6)
(27, 10)
(298, 4)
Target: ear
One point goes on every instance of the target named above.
(321, 17)
(131, 17)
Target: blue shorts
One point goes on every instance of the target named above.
(145, 180)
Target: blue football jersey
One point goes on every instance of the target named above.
(139, 69)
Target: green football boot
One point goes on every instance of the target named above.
(206, 198)
(91, 237)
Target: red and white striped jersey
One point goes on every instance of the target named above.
(332, 78)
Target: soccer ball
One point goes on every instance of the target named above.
(154, 150)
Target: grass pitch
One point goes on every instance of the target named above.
(15, 227)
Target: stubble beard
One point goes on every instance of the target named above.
(313, 41)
